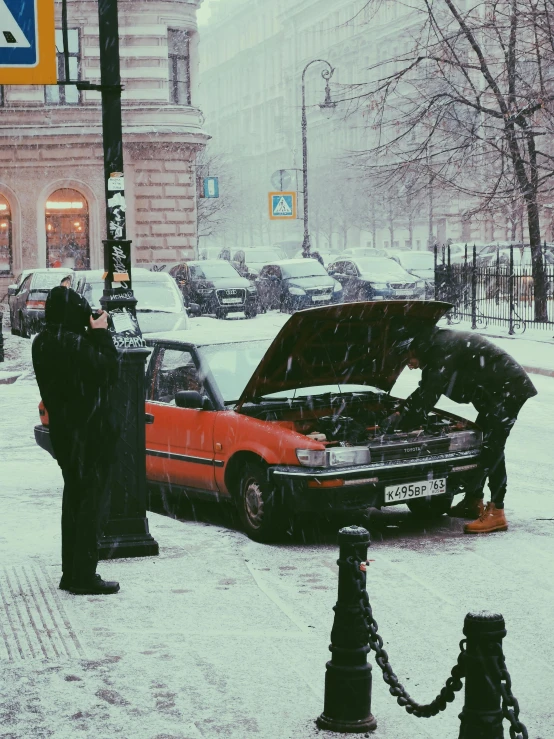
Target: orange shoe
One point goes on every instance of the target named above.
(468, 507)
(492, 519)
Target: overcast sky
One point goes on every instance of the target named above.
(204, 12)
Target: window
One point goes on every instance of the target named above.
(175, 371)
(66, 94)
(5, 237)
(179, 67)
(67, 231)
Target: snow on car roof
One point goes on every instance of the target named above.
(138, 275)
(220, 332)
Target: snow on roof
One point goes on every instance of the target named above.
(220, 332)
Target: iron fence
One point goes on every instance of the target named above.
(500, 292)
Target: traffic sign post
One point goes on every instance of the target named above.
(211, 187)
(27, 42)
(282, 206)
(281, 179)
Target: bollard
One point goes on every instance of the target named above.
(1, 337)
(347, 706)
(481, 716)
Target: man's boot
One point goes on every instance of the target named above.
(93, 586)
(492, 519)
(468, 507)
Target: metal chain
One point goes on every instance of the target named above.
(510, 705)
(453, 683)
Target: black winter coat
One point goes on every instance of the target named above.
(468, 369)
(76, 373)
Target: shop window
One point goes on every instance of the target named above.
(6, 259)
(67, 230)
(66, 94)
(179, 66)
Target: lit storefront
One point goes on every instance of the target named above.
(5, 237)
(67, 230)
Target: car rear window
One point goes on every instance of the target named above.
(47, 280)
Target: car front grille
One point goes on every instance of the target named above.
(326, 291)
(231, 296)
(402, 285)
(415, 451)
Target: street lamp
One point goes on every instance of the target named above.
(327, 104)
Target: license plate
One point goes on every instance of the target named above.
(231, 300)
(402, 293)
(411, 490)
(320, 297)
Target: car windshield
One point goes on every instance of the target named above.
(417, 260)
(380, 265)
(263, 255)
(232, 365)
(150, 295)
(305, 268)
(48, 280)
(212, 270)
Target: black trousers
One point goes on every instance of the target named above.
(496, 423)
(83, 515)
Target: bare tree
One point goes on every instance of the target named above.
(466, 104)
(215, 214)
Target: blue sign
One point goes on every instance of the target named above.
(282, 206)
(27, 48)
(211, 187)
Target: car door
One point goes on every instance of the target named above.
(179, 441)
(19, 301)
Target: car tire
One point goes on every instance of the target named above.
(251, 312)
(432, 506)
(221, 313)
(260, 507)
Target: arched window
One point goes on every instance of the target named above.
(67, 230)
(6, 258)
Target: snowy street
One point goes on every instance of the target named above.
(223, 637)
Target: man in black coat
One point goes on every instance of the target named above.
(76, 367)
(469, 369)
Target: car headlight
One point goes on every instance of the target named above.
(337, 287)
(465, 440)
(205, 290)
(296, 291)
(379, 285)
(339, 457)
(420, 284)
(251, 289)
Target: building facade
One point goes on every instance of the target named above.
(52, 208)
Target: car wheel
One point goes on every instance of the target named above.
(221, 313)
(15, 331)
(432, 506)
(251, 312)
(261, 511)
(23, 332)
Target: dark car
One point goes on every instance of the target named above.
(291, 426)
(215, 286)
(28, 299)
(293, 284)
(249, 261)
(375, 278)
(420, 264)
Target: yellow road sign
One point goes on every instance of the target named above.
(27, 42)
(282, 206)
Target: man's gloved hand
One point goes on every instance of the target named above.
(391, 423)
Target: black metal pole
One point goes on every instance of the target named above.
(126, 533)
(511, 331)
(481, 717)
(436, 273)
(474, 289)
(347, 706)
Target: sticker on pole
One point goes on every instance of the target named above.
(27, 42)
(282, 206)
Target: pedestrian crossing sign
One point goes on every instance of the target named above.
(27, 42)
(282, 206)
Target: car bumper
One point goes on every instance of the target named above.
(210, 304)
(299, 302)
(42, 438)
(353, 488)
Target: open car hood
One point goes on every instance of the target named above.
(352, 343)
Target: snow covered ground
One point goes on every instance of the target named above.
(222, 637)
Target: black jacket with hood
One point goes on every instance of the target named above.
(468, 369)
(76, 369)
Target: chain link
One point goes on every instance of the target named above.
(510, 705)
(453, 683)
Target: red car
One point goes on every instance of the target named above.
(292, 425)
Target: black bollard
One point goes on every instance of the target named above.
(347, 706)
(1, 338)
(481, 717)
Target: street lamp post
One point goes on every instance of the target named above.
(327, 104)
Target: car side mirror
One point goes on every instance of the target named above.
(194, 310)
(193, 399)
(12, 290)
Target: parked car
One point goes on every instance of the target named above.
(215, 286)
(248, 262)
(375, 278)
(420, 264)
(28, 299)
(292, 425)
(160, 304)
(356, 252)
(326, 255)
(293, 284)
